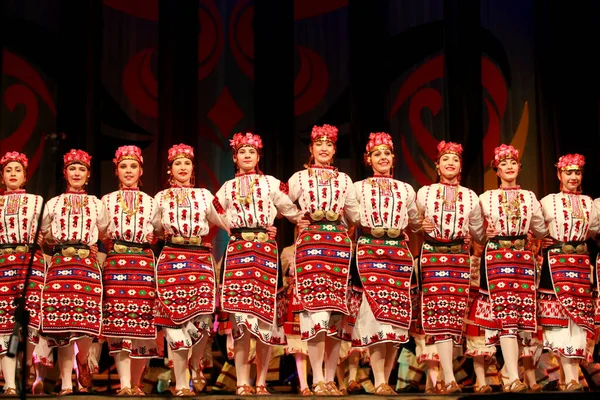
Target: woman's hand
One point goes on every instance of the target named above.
(428, 225)
(302, 223)
(272, 232)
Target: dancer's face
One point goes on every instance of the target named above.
(246, 158)
(508, 170)
(129, 173)
(382, 161)
(77, 176)
(570, 179)
(449, 165)
(323, 152)
(182, 170)
(13, 176)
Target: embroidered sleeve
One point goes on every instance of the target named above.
(283, 187)
(217, 204)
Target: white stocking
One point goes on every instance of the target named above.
(510, 352)
(332, 357)
(180, 365)
(316, 355)
(445, 349)
(65, 362)
(242, 367)
(9, 366)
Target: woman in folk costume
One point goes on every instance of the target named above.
(72, 295)
(128, 276)
(565, 306)
(507, 307)
(250, 202)
(451, 212)
(19, 214)
(385, 264)
(323, 255)
(185, 270)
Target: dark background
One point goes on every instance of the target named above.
(159, 72)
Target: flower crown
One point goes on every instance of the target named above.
(179, 151)
(570, 162)
(77, 156)
(245, 139)
(326, 133)
(379, 141)
(14, 156)
(504, 152)
(449, 147)
(128, 153)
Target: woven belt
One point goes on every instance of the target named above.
(121, 247)
(16, 248)
(72, 250)
(506, 242)
(381, 232)
(250, 234)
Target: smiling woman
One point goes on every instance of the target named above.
(133, 221)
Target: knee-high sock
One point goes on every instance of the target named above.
(65, 362)
(302, 369)
(123, 364)
(242, 367)
(510, 352)
(9, 366)
(332, 357)
(377, 353)
(479, 368)
(180, 366)
(571, 369)
(138, 366)
(263, 357)
(445, 351)
(316, 355)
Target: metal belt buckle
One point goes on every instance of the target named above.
(262, 237)
(8, 250)
(120, 248)
(520, 244)
(581, 248)
(83, 253)
(178, 240)
(195, 240)
(441, 249)
(332, 215)
(248, 236)
(377, 232)
(456, 248)
(568, 248)
(505, 244)
(317, 215)
(393, 232)
(22, 249)
(136, 249)
(68, 251)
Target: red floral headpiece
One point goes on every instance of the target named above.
(449, 147)
(77, 157)
(180, 150)
(570, 162)
(245, 139)
(325, 133)
(379, 141)
(14, 156)
(128, 153)
(503, 152)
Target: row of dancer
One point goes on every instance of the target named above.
(129, 297)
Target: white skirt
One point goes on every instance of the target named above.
(570, 342)
(333, 324)
(269, 334)
(369, 331)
